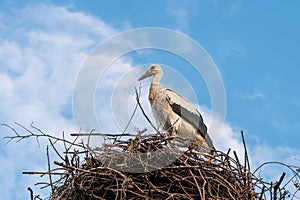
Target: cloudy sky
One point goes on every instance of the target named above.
(44, 46)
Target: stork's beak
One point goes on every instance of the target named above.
(148, 73)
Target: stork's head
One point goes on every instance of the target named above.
(153, 70)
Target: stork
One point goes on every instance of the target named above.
(173, 112)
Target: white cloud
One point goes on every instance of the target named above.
(60, 19)
(283, 125)
(181, 12)
(181, 17)
(227, 137)
(254, 95)
(37, 73)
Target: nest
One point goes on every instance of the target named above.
(151, 167)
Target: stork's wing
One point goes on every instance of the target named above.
(188, 112)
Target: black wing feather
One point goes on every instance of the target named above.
(193, 118)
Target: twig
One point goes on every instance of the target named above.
(262, 192)
(102, 134)
(49, 169)
(134, 110)
(31, 193)
(138, 101)
(22, 137)
(56, 151)
(46, 173)
(276, 186)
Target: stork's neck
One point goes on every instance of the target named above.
(155, 86)
(156, 78)
(153, 91)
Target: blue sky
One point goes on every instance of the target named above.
(254, 44)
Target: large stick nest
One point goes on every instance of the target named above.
(152, 167)
(109, 173)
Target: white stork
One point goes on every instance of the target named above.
(173, 112)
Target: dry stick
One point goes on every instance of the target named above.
(134, 110)
(45, 173)
(276, 186)
(138, 101)
(89, 137)
(138, 136)
(271, 197)
(196, 182)
(89, 171)
(229, 186)
(96, 197)
(14, 130)
(102, 134)
(183, 188)
(237, 162)
(31, 193)
(246, 163)
(131, 117)
(21, 137)
(37, 140)
(203, 186)
(117, 183)
(137, 194)
(279, 163)
(25, 128)
(49, 169)
(34, 127)
(262, 192)
(73, 143)
(226, 159)
(154, 187)
(291, 179)
(42, 183)
(55, 149)
(294, 194)
(65, 146)
(74, 158)
(67, 161)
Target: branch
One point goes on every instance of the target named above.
(134, 110)
(20, 137)
(138, 101)
(50, 178)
